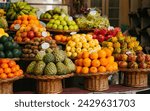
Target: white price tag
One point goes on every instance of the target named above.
(17, 27)
(128, 52)
(70, 18)
(110, 28)
(63, 15)
(93, 12)
(73, 33)
(44, 34)
(45, 45)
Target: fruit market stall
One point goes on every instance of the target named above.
(55, 50)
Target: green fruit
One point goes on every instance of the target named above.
(60, 27)
(1, 47)
(39, 68)
(49, 50)
(66, 18)
(57, 10)
(56, 16)
(8, 45)
(71, 27)
(52, 21)
(76, 27)
(49, 25)
(59, 55)
(73, 22)
(57, 22)
(40, 55)
(49, 57)
(66, 28)
(50, 69)
(16, 53)
(2, 54)
(8, 54)
(31, 67)
(54, 26)
(61, 68)
(60, 18)
(15, 45)
(47, 16)
(69, 22)
(63, 23)
(71, 66)
(42, 16)
(3, 39)
(10, 38)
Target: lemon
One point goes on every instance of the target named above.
(69, 54)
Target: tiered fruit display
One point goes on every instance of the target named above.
(9, 69)
(133, 61)
(30, 28)
(3, 33)
(51, 14)
(80, 43)
(104, 34)
(51, 63)
(62, 22)
(24, 21)
(9, 48)
(92, 20)
(31, 48)
(20, 8)
(96, 62)
(62, 38)
(122, 44)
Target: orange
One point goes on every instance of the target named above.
(109, 67)
(16, 73)
(95, 63)
(115, 66)
(19, 39)
(31, 22)
(93, 70)
(32, 17)
(110, 59)
(94, 55)
(7, 70)
(63, 39)
(20, 72)
(58, 38)
(79, 55)
(36, 22)
(18, 22)
(12, 26)
(17, 67)
(28, 28)
(4, 60)
(85, 54)
(85, 70)
(80, 62)
(4, 65)
(24, 17)
(10, 75)
(3, 76)
(19, 17)
(76, 62)
(103, 61)
(12, 63)
(25, 22)
(101, 54)
(1, 70)
(108, 52)
(101, 69)
(86, 62)
(13, 69)
(78, 69)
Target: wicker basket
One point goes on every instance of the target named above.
(97, 81)
(6, 86)
(49, 84)
(135, 77)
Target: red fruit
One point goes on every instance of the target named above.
(142, 65)
(100, 38)
(103, 31)
(147, 58)
(24, 34)
(94, 36)
(141, 58)
(132, 58)
(31, 34)
(108, 37)
(122, 64)
(96, 31)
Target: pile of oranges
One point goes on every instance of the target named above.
(62, 38)
(96, 62)
(25, 20)
(9, 69)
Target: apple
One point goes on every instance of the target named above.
(108, 37)
(103, 31)
(147, 58)
(124, 57)
(94, 36)
(133, 65)
(141, 58)
(132, 58)
(96, 31)
(100, 38)
(24, 34)
(30, 34)
(38, 34)
(117, 57)
(122, 64)
(142, 65)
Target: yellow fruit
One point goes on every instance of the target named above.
(116, 45)
(88, 37)
(109, 44)
(74, 54)
(69, 54)
(73, 44)
(78, 50)
(86, 45)
(79, 45)
(91, 43)
(84, 49)
(96, 42)
(68, 48)
(73, 49)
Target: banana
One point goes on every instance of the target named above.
(10, 12)
(21, 13)
(13, 16)
(25, 11)
(27, 7)
(14, 7)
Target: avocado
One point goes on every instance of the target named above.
(8, 45)
(8, 54)
(3, 39)
(16, 53)
(1, 47)
(2, 54)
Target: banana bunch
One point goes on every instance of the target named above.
(2, 12)
(20, 8)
